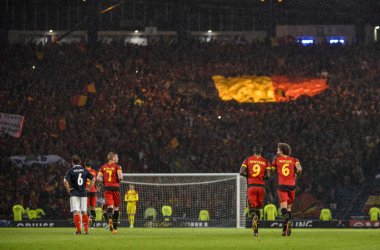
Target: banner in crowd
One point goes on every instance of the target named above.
(11, 124)
(42, 160)
(267, 89)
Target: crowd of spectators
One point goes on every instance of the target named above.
(138, 112)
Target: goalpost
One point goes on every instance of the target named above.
(222, 195)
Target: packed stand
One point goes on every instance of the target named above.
(139, 112)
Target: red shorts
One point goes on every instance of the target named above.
(91, 201)
(286, 196)
(255, 196)
(112, 198)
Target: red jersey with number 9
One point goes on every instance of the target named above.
(285, 166)
(256, 167)
(109, 172)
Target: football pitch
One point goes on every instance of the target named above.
(186, 238)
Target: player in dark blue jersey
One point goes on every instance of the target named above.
(75, 184)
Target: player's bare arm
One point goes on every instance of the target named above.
(100, 177)
(243, 170)
(67, 185)
(298, 168)
(98, 184)
(119, 175)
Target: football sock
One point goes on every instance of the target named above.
(257, 212)
(93, 214)
(132, 219)
(109, 212)
(105, 216)
(77, 222)
(115, 218)
(290, 215)
(251, 213)
(85, 221)
(285, 214)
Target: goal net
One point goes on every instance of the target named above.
(223, 196)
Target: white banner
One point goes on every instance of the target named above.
(11, 124)
(27, 161)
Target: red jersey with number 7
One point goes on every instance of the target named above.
(256, 168)
(285, 167)
(109, 172)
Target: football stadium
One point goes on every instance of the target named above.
(189, 124)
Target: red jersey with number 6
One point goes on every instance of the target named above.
(285, 166)
(256, 167)
(109, 172)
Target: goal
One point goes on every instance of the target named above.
(222, 195)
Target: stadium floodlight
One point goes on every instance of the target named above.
(336, 39)
(307, 41)
(136, 31)
(332, 41)
(50, 31)
(223, 195)
(375, 33)
(209, 31)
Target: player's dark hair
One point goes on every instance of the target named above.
(285, 148)
(257, 149)
(88, 163)
(75, 159)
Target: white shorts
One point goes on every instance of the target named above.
(78, 204)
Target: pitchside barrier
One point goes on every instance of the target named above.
(202, 224)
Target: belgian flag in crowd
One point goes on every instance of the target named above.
(267, 89)
(87, 97)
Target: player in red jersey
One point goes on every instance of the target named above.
(111, 175)
(256, 168)
(287, 168)
(91, 194)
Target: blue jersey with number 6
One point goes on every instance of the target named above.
(77, 177)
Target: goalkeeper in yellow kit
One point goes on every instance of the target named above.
(131, 197)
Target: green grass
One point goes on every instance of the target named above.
(185, 238)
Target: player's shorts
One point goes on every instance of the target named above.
(91, 201)
(112, 198)
(255, 196)
(78, 204)
(131, 208)
(286, 196)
